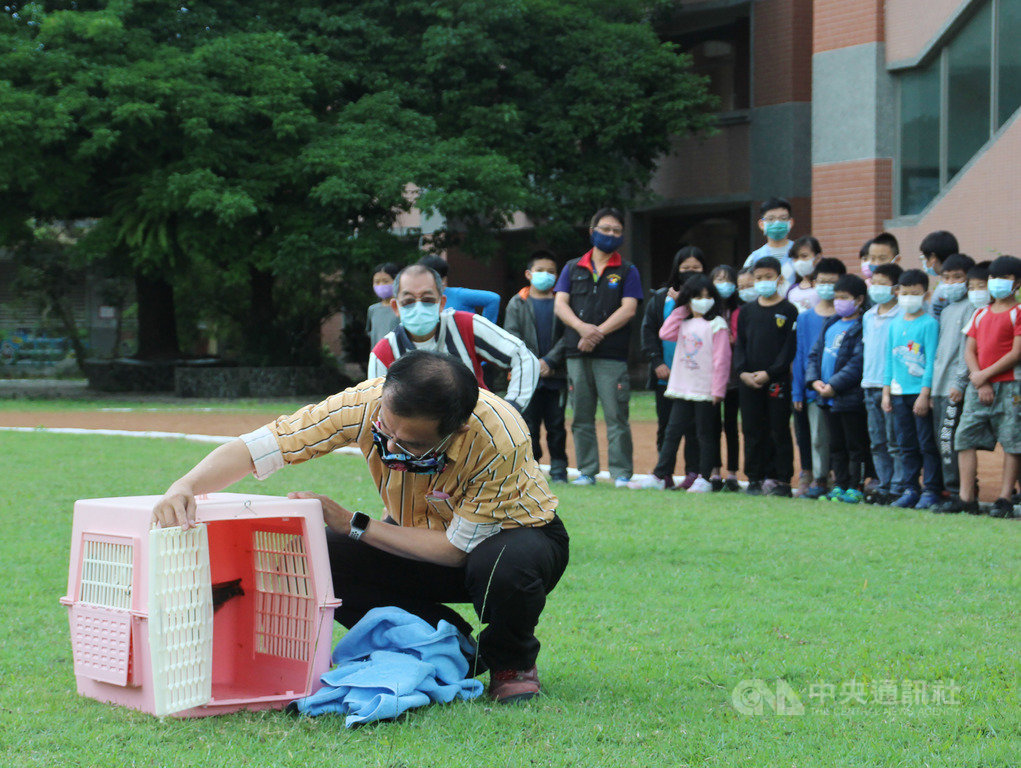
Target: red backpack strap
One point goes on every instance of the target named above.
(465, 322)
(384, 352)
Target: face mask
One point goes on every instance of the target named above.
(930, 271)
(979, 299)
(606, 243)
(384, 291)
(880, 294)
(955, 291)
(543, 281)
(845, 307)
(765, 288)
(683, 277)
(910, 303)
(702, 305)
(430, 463)
(777, 230)
(866, 269)
(1000, 287)
(748, 294)
(726, 290)
(804, 267)
(420, 319)
(825, 291)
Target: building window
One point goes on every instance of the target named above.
(919, 130)
(721, 53)
(954, 103)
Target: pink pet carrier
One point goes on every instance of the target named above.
(235, 613)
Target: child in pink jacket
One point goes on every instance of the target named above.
(698, 377)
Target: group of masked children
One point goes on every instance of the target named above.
(895, 378)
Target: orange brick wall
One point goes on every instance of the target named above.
(783, 51)
(850, 201)
(841, 23)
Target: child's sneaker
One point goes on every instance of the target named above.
(908, 499)
(731, 484)
(649, 482)
(835, 493)
(1002, 508)
(780, 489)
(767, 486)
(815, 491)
(754, 488)
(852, 496)
(716, 483)
(928, 500)
(584, 480)
(701, 485)
(956, 505)
(689, 478)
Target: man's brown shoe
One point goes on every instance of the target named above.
(507, 686)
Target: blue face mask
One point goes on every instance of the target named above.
(825, 291)
(420, 319)
(765, 288)
(880, 294)
(606, 243)
(955, 291)
(748, 294)
(930, 271)
(543, 281)
(1000, 287)
(726, 290)
(777, 230)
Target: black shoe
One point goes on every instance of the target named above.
(957, 505)
(754, 488)
(717, 483)
(781, 489)
(1002, 508)
(731, 484)
(558, 478)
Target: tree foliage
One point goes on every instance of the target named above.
(239, 151)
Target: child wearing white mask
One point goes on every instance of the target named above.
(805, 254)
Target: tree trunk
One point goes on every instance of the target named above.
(157, 321)
(70, 329)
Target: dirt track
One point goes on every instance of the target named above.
(235, 423)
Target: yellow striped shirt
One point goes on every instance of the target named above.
(491, 480)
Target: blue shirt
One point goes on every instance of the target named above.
(669, 347)
(782, 254)
(830, 349)
(875, 338)
(911, 354)
(543, 309)
(469, 299)
(809, 327)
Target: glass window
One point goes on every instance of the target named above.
(969, 67)
(1009, 32)
(919, 138)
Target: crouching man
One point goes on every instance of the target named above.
(468, 517)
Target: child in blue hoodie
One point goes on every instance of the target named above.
(835, 370)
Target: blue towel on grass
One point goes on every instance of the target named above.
(389, 662)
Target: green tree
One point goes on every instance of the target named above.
(237, 152)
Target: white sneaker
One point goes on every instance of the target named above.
(584, 480)
(622, 482)
(651, 482)
(701, 485)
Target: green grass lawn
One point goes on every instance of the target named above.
(668, 605)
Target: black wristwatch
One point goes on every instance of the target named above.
(359, 522)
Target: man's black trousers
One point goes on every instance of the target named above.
(506, 578)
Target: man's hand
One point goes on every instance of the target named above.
(921, 407)
(986, 395)
(955, 395)
(662, 371)
(177, 507)
(585, 346)
(544, 369)
(591, 334)
(336, 517)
